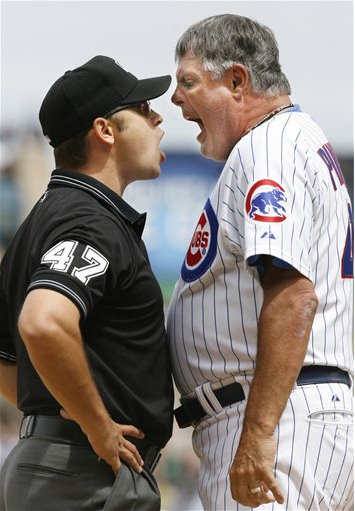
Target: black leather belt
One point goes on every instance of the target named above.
(191, 412)
(67, 431)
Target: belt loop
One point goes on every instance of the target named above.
(203, 401)
(30, 425)
(21, 428)
(212, 397)
(26, 426)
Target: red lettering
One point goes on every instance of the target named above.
(198, 239)
(204, 240)
(194, 259)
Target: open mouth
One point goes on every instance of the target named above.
(162, 156)
(161, 152)
(200, 125)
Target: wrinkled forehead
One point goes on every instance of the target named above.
(189, 64)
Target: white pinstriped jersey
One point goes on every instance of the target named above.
(281, 193)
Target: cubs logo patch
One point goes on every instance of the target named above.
(264, 202)
(203, 246)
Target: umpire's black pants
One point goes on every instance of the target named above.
(42, 475)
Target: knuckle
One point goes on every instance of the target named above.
(240, 471)
(251, 472)
(265, 468)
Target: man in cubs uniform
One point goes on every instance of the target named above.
(82, 338)
(259, 323)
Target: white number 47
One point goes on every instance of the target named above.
(61, 256)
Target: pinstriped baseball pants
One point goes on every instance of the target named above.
(314, 460)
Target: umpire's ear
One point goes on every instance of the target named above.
(103, 130)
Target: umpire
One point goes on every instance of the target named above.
(82, 339)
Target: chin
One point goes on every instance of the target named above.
(154, 173)
(211, 154)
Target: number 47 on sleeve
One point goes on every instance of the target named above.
(61, 256)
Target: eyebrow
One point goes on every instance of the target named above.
(186, 75)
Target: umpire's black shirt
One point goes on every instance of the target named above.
(83, 240)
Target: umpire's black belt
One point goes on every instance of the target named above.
(191, 412)
(63, 430)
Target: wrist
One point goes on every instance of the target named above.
(97, 425)
(258, 427)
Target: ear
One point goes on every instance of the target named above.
(239, 78)
(103, 130)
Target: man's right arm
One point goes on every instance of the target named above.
(8, 366)
(49, 327)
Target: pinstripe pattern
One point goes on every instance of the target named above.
(212, 320)
(212, 323)
(314, 460)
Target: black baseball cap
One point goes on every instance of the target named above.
(89, 91)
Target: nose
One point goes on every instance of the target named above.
(176, 98)
(156, 118)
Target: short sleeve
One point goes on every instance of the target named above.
(274, 196)
(83, 262)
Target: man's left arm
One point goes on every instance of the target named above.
(284, 328)
(8, 381)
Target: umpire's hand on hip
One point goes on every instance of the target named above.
(111, 446)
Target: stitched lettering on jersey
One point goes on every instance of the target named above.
(203, 246)
(62, 256)
(266, 202)
(327, 153)
(347, 261)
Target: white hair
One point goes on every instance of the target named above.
(222, 40)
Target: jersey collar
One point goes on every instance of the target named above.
(104, 194)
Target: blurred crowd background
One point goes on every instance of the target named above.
(313, 38)
(174, 203)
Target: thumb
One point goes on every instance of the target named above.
(131, 431)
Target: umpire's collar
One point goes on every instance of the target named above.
(105, 195)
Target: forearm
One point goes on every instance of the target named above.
(56, 351)
(282, 343)
(8, 381)
(283, 333)
(49, 327)
(64, 370)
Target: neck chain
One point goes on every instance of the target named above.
(271, 114)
